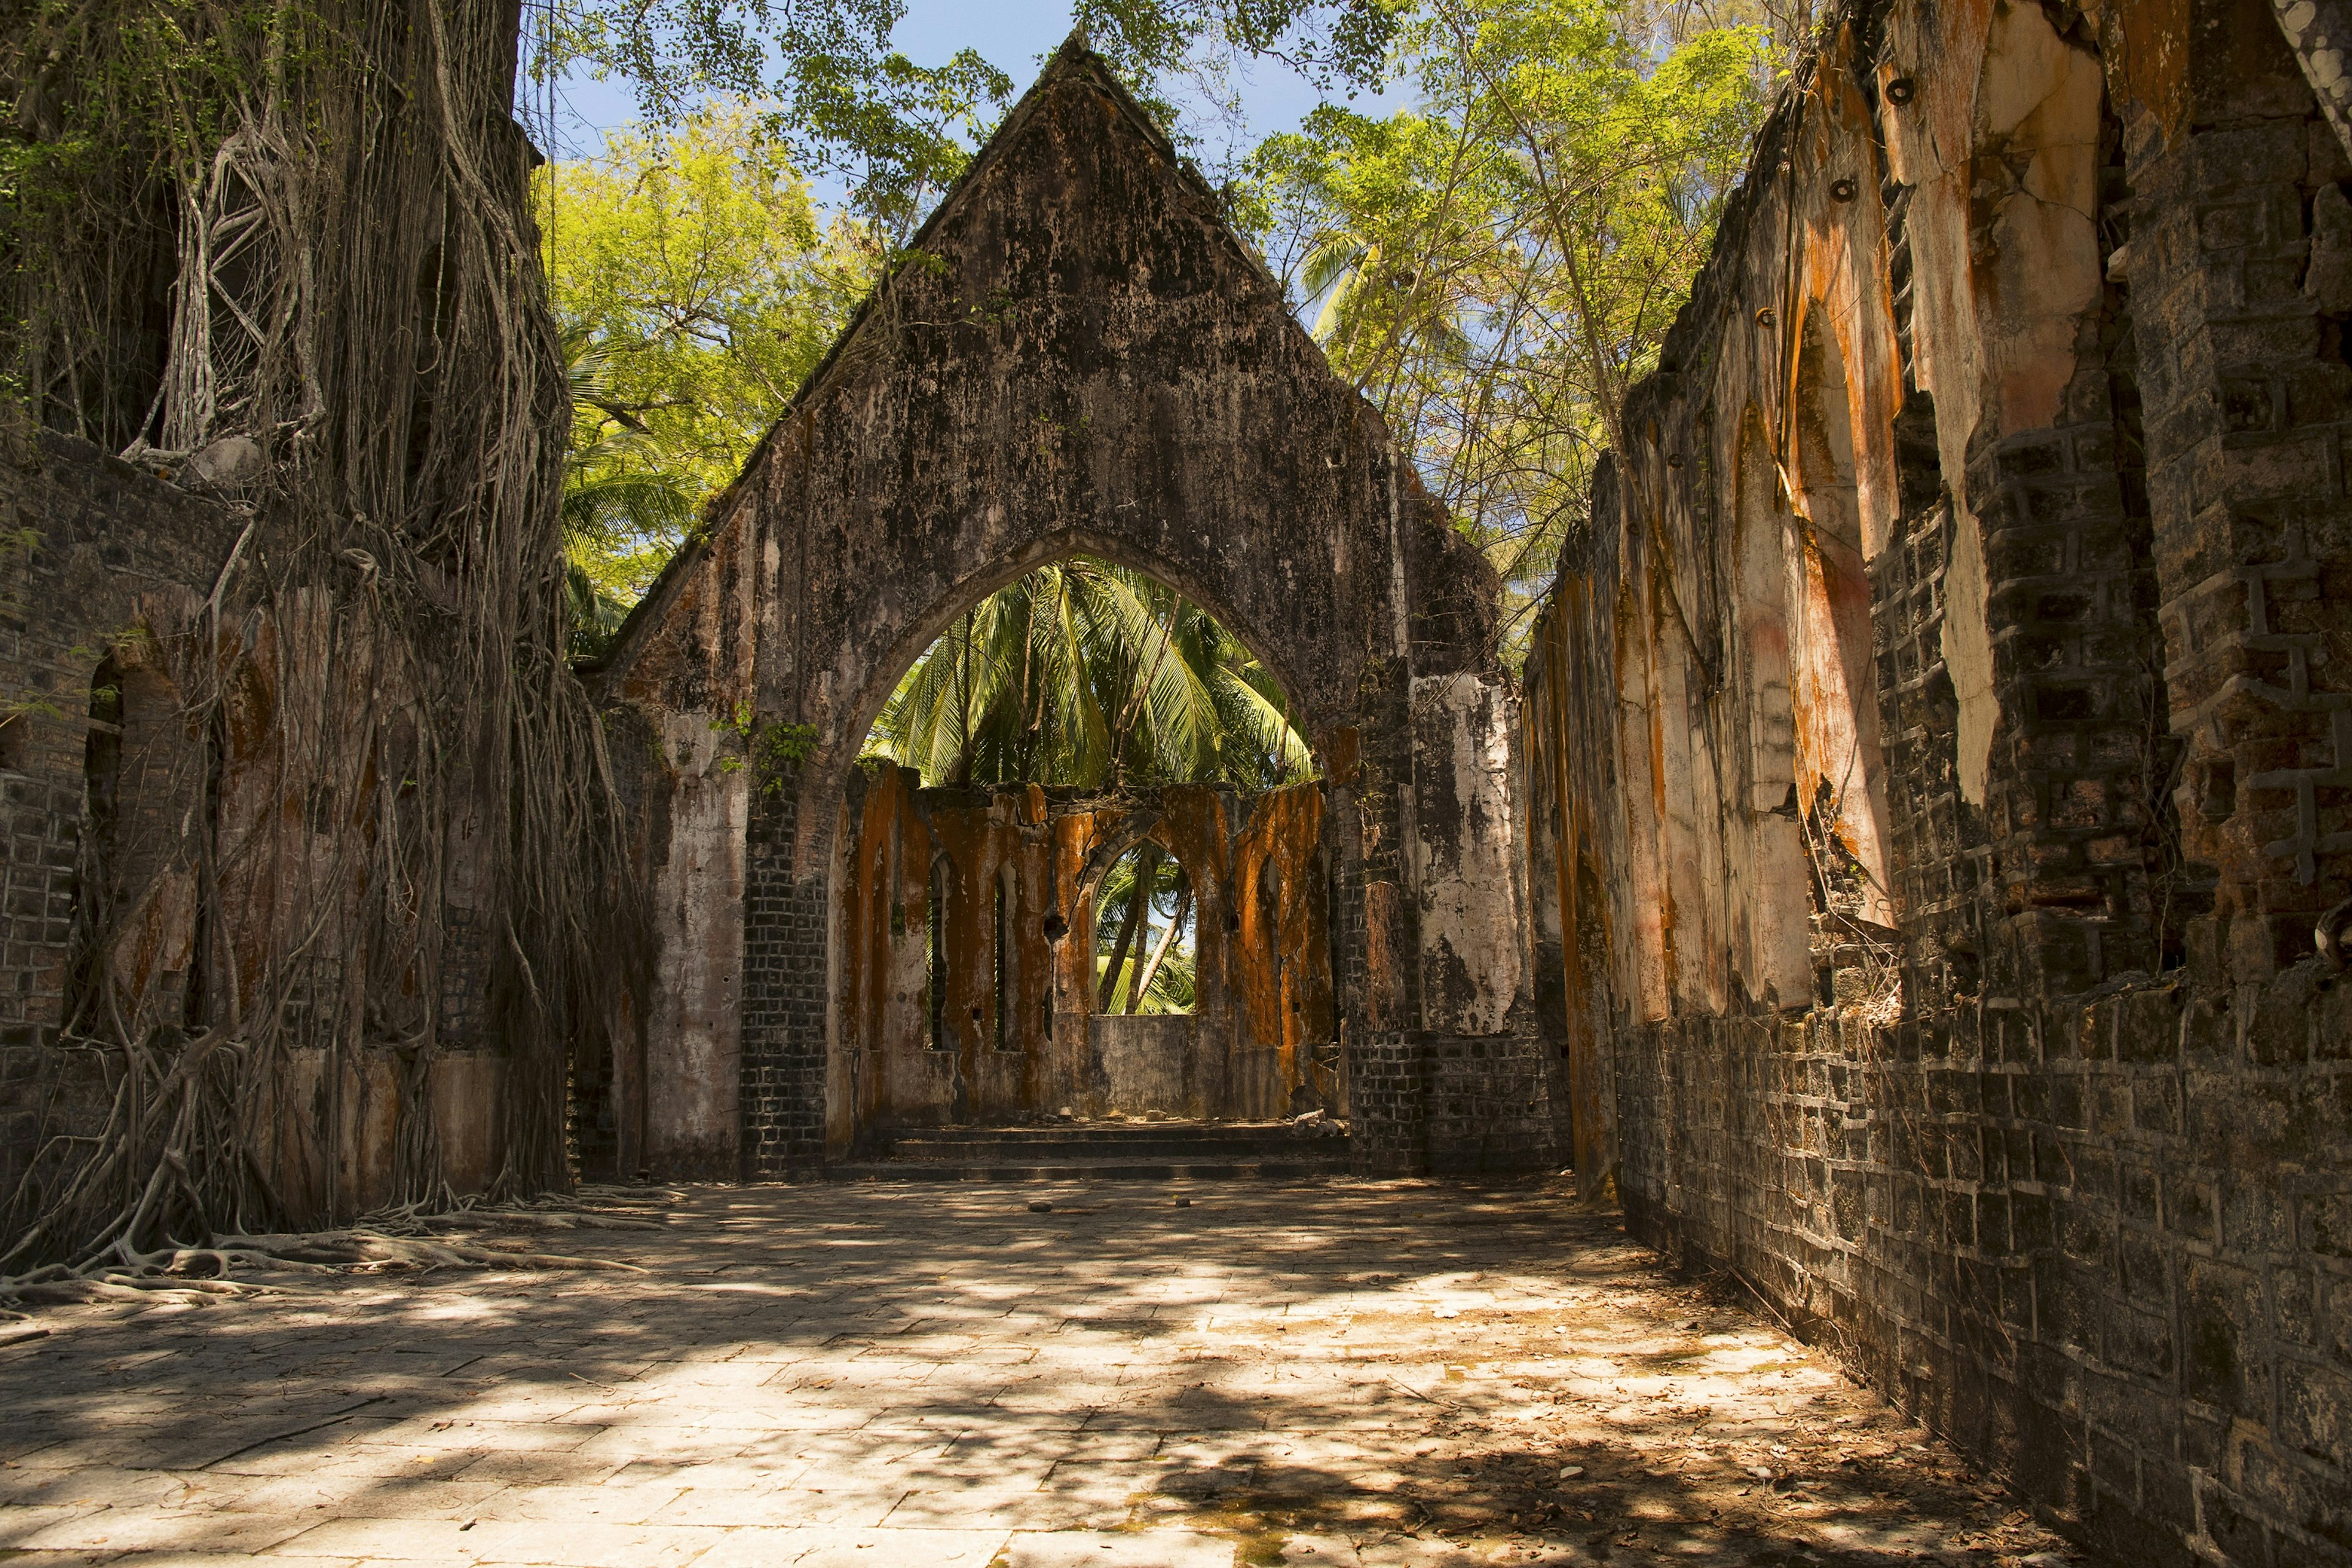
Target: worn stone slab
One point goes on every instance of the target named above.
(637, 1420)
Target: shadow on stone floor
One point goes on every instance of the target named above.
(1361, 1373)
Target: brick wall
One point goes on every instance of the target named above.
(88, 535)
(2078, 1191)
(2106, 1243)
(784, 981)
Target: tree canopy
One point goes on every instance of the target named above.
(1497, 264)
(695, 285)
(1493, 266)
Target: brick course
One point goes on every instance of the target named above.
(2079, 1191)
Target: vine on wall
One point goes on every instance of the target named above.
(283, 250)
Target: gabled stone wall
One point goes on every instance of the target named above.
(1082, 357)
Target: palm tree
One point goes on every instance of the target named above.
(625, 500)
(1090, 674)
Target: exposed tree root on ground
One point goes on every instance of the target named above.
(402, 1239)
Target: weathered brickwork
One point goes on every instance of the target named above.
(85, 536)
(2244, 258)
(2101, 1242)
(2058, 1149)
(783, 1001)
(1090, 362)
(1943, 853)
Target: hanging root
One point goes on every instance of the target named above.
(391, 795)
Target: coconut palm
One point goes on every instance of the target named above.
(1090, 674)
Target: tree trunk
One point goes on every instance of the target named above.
(1147, 867)
(1159, 953)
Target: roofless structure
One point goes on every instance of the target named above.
(1078, 355)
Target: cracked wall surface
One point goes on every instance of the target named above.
(1082, 357)
(113, 598)
(1937, 761)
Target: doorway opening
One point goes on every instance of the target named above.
(1055, 850)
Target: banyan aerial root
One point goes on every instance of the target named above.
(392, 829)
(466, 1235)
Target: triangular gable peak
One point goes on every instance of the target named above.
(1071, 66)
(1078, 355)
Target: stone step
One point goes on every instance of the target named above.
(1287, 1167)
(1123, 1132)
(1146, 1150)
(1029, 1152)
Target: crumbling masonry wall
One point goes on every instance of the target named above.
(1082, 356)
(994, 897)
(110, 575)
(1938, 755)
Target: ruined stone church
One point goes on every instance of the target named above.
(1911, 872)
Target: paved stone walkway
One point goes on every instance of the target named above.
(877, 1376)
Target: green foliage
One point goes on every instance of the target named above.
(1169, 986)
(1172, 986)
(112, 108)
(836, 98)
(844, 103)
(696, 289)
(1090, 674)
(1496, 267)
(772, 751)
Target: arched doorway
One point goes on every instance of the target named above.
(1083, 875)
(1083, 359)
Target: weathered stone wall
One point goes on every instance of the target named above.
(1084, 358)
(1019, 1031)
(85, 536)
(1937, 761)
(107, 785)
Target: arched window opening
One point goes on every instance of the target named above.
(1144, 947)
(936, 969)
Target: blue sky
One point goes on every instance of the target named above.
(1013, 35)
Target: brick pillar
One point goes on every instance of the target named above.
(2244, 279)
(2068, 802)
(785, 927)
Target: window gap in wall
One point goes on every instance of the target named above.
(935, 968)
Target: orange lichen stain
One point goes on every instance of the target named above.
(2148, 42)
(1284, 958)
(1564, 639)
(1383, 977)
(885, 922)
(1343, 754)
(1262, 976)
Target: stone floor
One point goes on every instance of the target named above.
(871, 1376)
